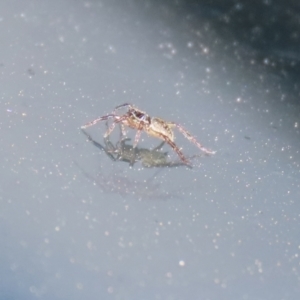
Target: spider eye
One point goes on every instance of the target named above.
(139, 115)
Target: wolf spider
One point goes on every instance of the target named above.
(153, 126)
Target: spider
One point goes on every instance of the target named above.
(153, 126)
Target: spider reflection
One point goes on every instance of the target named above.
(126, 152)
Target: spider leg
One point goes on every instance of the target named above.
(139, 130)
(117, 120)
(98, 120)
(122, 105)
(137, 137)
(109, 130)
(110, 148)
(192, 139)
(122, 132)
(175, 148)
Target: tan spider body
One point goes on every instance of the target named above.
(156, 127)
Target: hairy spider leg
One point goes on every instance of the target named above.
(139, 131)
(123, 105)
(175, 148)
(137, 138)
(110, 148)
(104, 118)
(191, 138)
(123, 132)
(110, 129)
(117, 119)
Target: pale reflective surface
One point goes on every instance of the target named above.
(75, 224)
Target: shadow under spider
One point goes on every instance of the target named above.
(126, 152)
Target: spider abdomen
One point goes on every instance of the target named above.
(160, 127)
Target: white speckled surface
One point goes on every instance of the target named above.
(76, 225)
